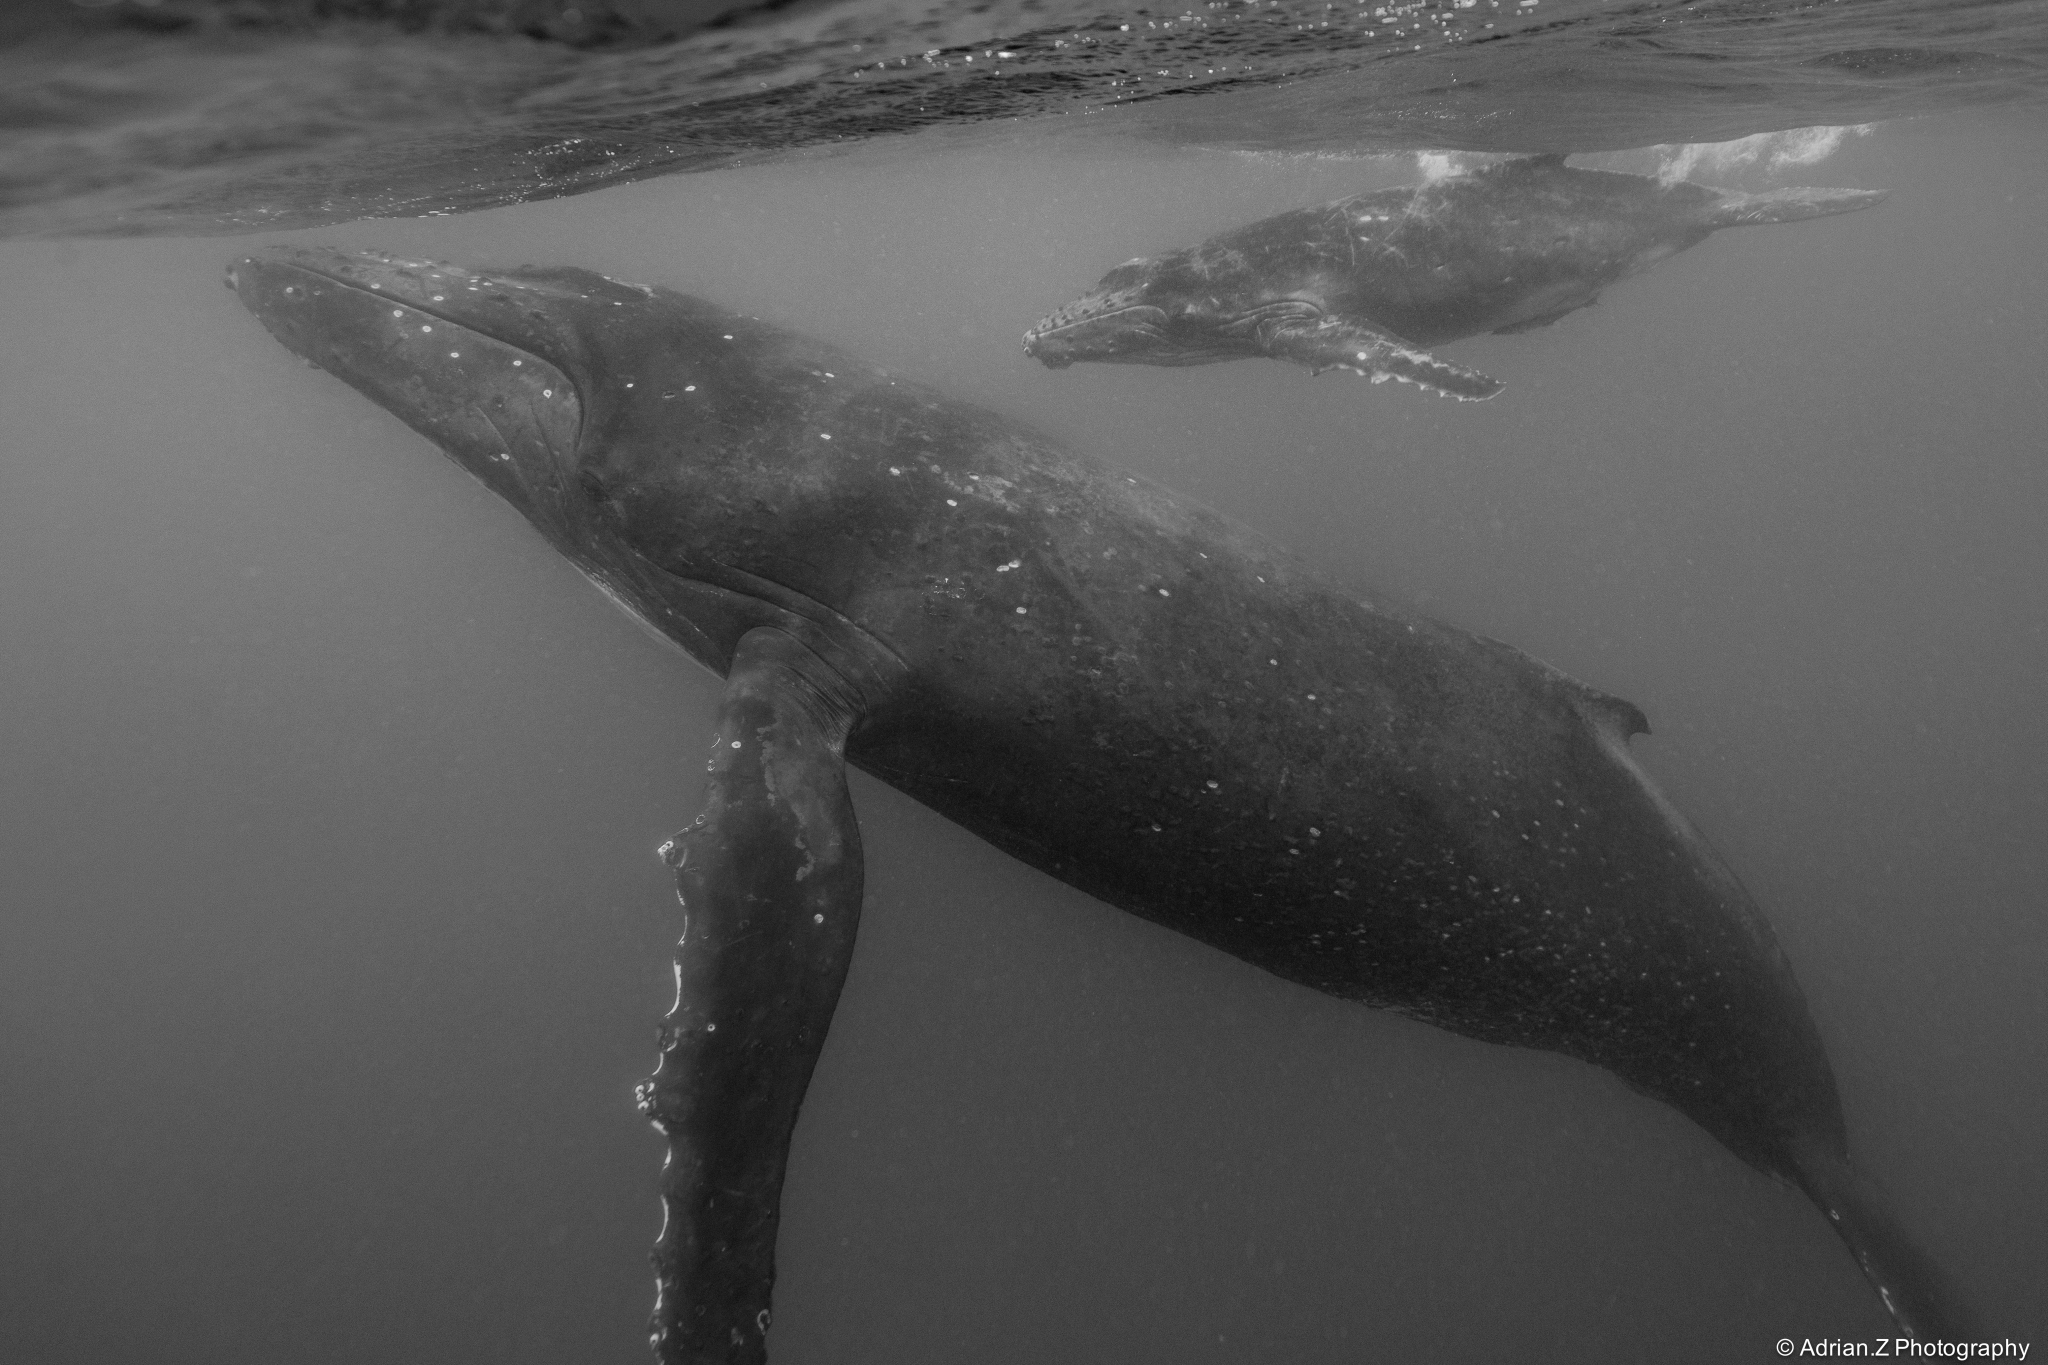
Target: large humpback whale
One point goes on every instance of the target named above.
(1109, 681)
(1366, 283)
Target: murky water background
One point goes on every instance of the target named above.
(334, 940)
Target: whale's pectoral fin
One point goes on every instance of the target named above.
(1330, 343)
(1788, 205)
(770, 877)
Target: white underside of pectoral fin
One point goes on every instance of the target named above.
(1337, 344)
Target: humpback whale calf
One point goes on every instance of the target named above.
(1107, 680)
(1366, 283)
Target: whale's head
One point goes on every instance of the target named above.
(1151, 311)
(663, 444)
(493, 367)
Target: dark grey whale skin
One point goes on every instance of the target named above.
(1105, 679)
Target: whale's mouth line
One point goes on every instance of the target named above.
(1045, 332)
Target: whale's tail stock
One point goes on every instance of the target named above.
(1923, 1299)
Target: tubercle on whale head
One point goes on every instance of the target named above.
(1151, 311)
(695, 463)
(474, 361)
(1117, 320)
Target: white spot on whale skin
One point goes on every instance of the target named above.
(951, 503)
(547, 393)
(1164, 593)
(728, 336)
(455, 355)
(689, 388)
(824, 435)
(1001, 568)
(1020, 611)
(424, 328)
(894, 470)
(817, 919)
(735, 744)
(517, 363)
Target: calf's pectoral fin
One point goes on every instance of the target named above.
(1788, 205)
(1328, 343)
(770, 877)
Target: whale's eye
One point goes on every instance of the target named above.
(1125, 276)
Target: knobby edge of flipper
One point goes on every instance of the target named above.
(771, 877)
(1789, 205)
(1923, 1299)
(1329, 343)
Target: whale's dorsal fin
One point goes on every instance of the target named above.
(1602, 710)
(1610, 712)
